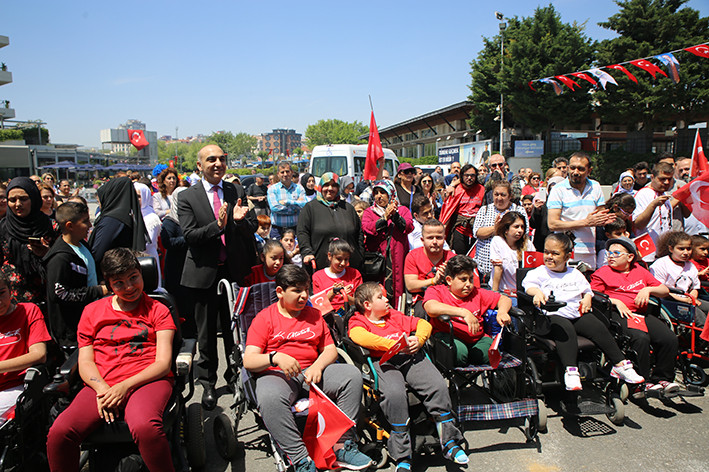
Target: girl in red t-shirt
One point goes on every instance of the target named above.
(339, 278)
(700, 251)
(273, 257)
(24, 337)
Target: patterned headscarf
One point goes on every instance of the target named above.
(387, 186)
(327, 178)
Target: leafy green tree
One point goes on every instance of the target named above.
(297, 152)
(647, 28)
(236, 145)
(537, 46)
(334, 131)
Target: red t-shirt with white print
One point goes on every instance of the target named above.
(302, 338)
(623, 287)
(392, 326)
(18, 331)
(478, 302)
(351, 279)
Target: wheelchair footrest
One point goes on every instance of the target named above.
(508, 361)
(498, 411)
(586, 408)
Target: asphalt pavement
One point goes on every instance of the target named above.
(656, 436)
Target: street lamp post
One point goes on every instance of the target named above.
(503, 25)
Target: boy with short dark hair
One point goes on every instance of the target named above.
(377, 327)
(72, 282)
(466, 305)
(617, 228)
(289, 346)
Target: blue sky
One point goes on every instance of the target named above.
(204, 66)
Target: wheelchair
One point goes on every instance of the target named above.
(481, 393)
(110, 446)
(601, 393)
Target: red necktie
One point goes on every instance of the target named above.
(217, 206)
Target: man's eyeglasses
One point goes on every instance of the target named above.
(616, 253)
(497, 165)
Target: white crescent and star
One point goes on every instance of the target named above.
(321, 425)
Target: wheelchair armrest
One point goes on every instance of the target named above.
(677, 291)
(61, 382)
(183, 361)
(70, 365)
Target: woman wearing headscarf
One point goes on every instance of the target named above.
(120, 223)
(347, 189)
(387, 225)
(173, 240)
(26, 235)
(325, 218)
(626, 182)
(152, 223)
(308, 183)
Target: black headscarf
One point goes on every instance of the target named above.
(18, 230)
(119, 200)
(303, 181)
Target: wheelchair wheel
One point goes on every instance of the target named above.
(618, 417)
(543, 416)
(224, 437)
(624, 392)
(377, 452)
(531, 428)
(695, 375)
(196, 450)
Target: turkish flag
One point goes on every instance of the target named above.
(568, 82)
(701, 50)
(585, 77)
(645, 245)
(375, 153)
(171, 163)
(695, 196)
(648, 66)
(395, 349)
(325, 425)
(321, 302)
(137, 138)
(627, 72)
(493, 353)
(533, 259)
(699, 160)
(637, 322)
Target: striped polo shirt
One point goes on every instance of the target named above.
(574, 206)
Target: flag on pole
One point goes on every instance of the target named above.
(695, 196)
(375, 153)
(325, 425)
(395, 349)
(699, 160)
(645, 245)
(493, 353)
(137, 138)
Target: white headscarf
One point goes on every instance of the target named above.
(172, 214)
(146, 199)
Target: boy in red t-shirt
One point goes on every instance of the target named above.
(377, 327)
(289, 345)
(466, 305)
(425, 266)
(24, 337)
(630, 287)
(125, 356)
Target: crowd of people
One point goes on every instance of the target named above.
(439, 238)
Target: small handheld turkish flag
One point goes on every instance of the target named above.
(325, 425)
(137, 138)
(637, 322)
(375, 152)
(394, 350)
(494, 352)
(533, 259)
(699, 159)
(321, 302)
(645, 245)
(695, 196)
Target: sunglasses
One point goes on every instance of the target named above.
(496, 165)
(409, 171)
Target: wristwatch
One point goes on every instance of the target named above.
(270, 358)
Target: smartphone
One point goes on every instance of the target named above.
(34, 240)
(337, 289)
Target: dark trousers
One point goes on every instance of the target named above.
(210, 312)
(664, 344)
(460, 243)
(564, 331)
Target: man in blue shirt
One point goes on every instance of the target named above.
(286, 199)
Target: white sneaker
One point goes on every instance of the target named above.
(626, 373)
(669, 387)
(572, 379)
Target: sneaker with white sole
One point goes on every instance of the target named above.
(572, 379)
(669, 387)
(349, 457)
(626, 373)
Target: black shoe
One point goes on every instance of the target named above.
(209, 398)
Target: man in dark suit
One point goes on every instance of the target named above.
(219, 229)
